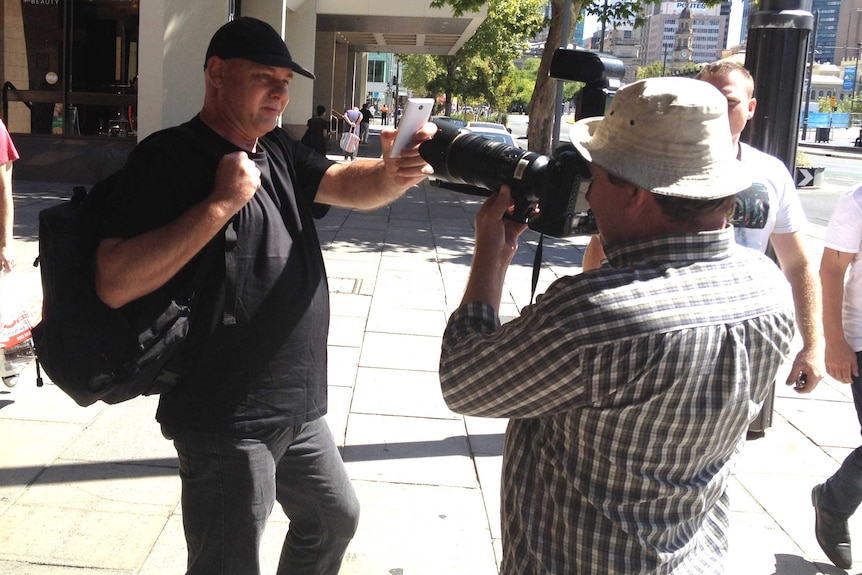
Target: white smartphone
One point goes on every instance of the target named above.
(416, 113)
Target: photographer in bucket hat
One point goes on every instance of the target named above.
(782, 230)
(628, 388)
(246, 416)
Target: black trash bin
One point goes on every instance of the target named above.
(822, 135)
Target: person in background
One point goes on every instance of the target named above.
(246, 417)
(317, 131)
(838, 498)
(364, 122)
(783, 227)
(384, 115)
(352, 120)
(8, 154)
(628, 388)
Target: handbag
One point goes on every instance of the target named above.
(349, 142)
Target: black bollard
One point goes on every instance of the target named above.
(777, 46)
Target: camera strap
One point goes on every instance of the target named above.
(537, 265)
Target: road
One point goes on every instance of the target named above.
(843, 171)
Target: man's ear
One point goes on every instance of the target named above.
(638, 197)
(644, 206)
(215, 70)
(752, 105)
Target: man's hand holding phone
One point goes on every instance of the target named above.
(416, 114)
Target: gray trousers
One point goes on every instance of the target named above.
(229, 489)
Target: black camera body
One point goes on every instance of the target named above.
(550, 192)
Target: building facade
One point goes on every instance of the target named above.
(849, 32)
(679, 33)
(84, 80)
(827, 47)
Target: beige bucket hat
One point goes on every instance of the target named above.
(670, 136)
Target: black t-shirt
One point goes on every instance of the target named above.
(270, 368)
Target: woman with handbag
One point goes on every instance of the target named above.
(350, 138)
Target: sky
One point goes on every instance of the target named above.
(736, 7)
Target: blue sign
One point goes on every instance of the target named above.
(849, 77)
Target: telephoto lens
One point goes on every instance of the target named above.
(462, 157)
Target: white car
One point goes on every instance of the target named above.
(495, 134)
(488, 125)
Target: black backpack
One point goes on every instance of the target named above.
(93, 352)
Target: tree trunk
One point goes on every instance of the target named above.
(541, 108)
(450, 76)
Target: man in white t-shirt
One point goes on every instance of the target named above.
(837, 499)
(785, 230)
(783, 226)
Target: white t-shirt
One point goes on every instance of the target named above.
(844, 234)
(785, 210)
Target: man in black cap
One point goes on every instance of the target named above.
(246, 417)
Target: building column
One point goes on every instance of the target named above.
(173, 41)
(300, 33)
(324, 69)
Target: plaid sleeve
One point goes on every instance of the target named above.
(491, 370)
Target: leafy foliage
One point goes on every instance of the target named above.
(654, 70)
(482, 71)
(610, 13)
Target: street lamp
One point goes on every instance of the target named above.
(856, 36)
(664, 59)
(810, 65)
(855, 80)
(856, 69)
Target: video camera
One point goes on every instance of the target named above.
(549, 192)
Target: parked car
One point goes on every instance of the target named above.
(492, 133)
(457, 121)
(487, 125)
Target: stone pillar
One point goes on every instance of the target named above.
(324, 69)
(173, 41)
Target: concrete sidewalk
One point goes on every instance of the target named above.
(94, 490)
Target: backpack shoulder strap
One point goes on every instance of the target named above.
(211, 147)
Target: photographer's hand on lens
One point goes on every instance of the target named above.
(496, 244)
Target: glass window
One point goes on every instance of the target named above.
(377, 71)
(81, 59)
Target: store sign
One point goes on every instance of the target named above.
(45, 2)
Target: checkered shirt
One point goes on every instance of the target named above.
(629, 390)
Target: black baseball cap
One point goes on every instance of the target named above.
(255, 40)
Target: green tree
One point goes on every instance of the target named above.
(542, 102)
(843, 106)
(653, 70)
(482, 70)
(541, 109)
